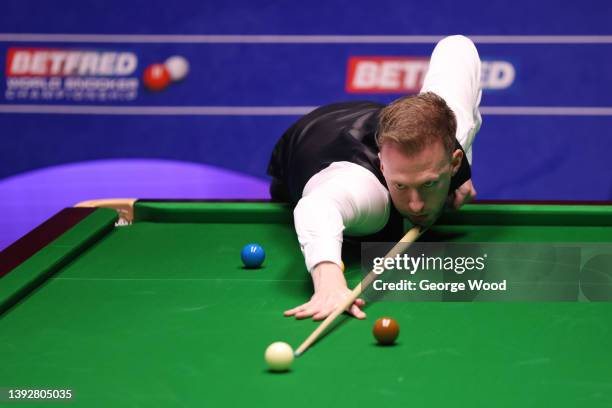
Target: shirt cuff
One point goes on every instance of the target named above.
(322, 250)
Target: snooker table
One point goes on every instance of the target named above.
(161, 313)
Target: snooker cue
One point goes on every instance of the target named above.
(400, 247)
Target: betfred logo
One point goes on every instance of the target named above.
(386, 75)
(56, 74)
(36, 62)
(84, 75)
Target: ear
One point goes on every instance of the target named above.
(456, 160)
(382, 168)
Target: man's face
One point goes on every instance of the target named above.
(419, 182)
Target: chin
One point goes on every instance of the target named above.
(423, 222)
(426, 223)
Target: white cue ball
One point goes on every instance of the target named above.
(279, 356)
(178, 67)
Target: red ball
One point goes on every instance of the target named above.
(385, 330)
(156, 77)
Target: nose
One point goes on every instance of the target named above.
(415, 203)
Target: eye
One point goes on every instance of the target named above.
(400, 186)
(430, 184)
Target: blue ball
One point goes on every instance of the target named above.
(252, 255)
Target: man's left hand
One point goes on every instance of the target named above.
(464, 194)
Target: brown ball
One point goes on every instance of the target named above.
(385, 330)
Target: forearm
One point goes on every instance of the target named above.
(454, 74)
(319, 228)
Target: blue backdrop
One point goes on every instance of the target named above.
(547, 133)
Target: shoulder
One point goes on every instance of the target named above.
(340, 115)
(350, 178)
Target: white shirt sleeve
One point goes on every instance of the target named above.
(342, 198)
(454, 74)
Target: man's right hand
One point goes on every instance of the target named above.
(330, 290)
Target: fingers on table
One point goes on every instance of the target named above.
(320, 310)
(297, 309)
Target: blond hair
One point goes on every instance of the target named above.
(418, 121)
